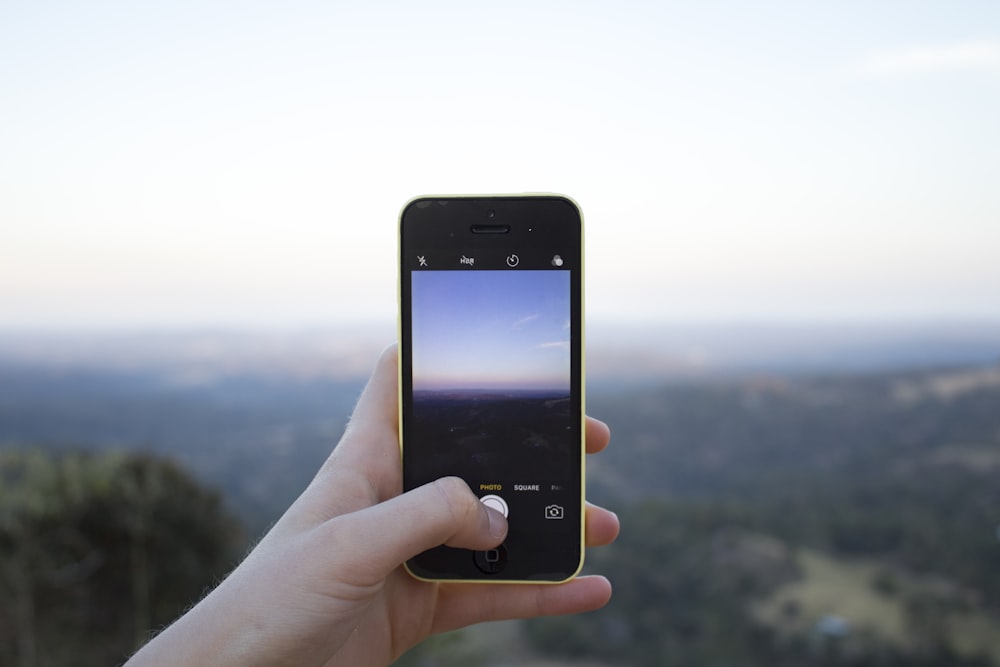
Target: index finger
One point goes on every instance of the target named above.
(597, 435)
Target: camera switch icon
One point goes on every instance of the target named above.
(553, 512)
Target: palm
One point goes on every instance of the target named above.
(398, 617)
(403, 611)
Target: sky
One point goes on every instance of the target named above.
(491, 330)
(242, 164)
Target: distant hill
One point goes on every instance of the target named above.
(259, 438)
(617, 353)
(777, 515)
(733, 436)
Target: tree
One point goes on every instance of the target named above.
(98, 550)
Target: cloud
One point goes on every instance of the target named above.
(524, 320)
(555, 343)
(978, 55)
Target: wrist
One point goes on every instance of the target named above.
(219, 630)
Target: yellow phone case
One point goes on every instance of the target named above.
(583, 379)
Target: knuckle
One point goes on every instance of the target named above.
(457, 497)
(541, 594)
(489, 607)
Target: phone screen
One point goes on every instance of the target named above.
(491, 381)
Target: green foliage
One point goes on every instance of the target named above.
(686, 576)
(678, 573)
(97, 551)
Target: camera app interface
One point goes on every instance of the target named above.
(491, 391)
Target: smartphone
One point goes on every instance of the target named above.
(491, 374)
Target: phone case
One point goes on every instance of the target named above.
(583, 380)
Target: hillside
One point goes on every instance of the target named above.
(768, 518)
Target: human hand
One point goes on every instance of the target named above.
(326, 585)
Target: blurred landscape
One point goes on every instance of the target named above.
(789, 495)
(196, 205)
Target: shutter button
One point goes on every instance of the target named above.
(492, 561)
(495, 502)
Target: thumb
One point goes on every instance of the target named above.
(375, 541)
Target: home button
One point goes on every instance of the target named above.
(491, 561)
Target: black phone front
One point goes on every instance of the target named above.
(491, 382)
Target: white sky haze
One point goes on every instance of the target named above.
(190, 163)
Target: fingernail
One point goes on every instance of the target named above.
(599, 421)
(498, 524)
